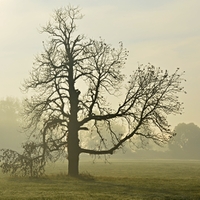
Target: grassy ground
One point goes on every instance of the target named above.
(152, 180)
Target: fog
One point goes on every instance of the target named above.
(166, 34)
(11, 135)
(185, 145)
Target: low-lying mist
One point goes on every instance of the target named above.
(185, 145)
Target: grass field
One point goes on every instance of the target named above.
(152, 180)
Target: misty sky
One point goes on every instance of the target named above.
(165, 33)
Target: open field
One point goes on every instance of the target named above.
(152, 180)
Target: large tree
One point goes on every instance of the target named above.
(80, 90)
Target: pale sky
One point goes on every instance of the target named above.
(165, 33)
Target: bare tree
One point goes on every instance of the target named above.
(79, 88)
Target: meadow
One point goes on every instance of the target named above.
(147, 179)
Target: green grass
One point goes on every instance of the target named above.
(152, 180)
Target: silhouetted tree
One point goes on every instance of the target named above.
(80, 88)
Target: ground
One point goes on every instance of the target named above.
(149, 179)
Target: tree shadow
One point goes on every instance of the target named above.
(86, 176)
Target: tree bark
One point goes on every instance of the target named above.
(73, 150)
(73, 162)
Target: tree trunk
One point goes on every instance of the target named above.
(73, 153)
(73, 164)
(73, 126)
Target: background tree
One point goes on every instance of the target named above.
(186, 143)
(80, 90)
(10, 123)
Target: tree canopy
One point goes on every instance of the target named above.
(79, 91)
